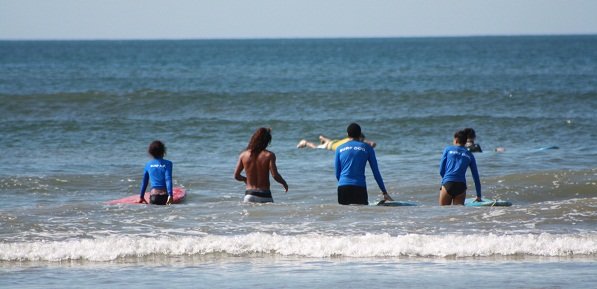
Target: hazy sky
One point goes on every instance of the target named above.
(183, 19)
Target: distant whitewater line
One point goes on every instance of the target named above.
(308, 245)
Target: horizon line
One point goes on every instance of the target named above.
(295, 38)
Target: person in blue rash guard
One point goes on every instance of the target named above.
(350, 161)
(456, 159)
(158, 171)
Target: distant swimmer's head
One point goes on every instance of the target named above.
(470, 141)
(157, 149)
(260, 140)
(470, 134)
(354, 131)
(460, 138)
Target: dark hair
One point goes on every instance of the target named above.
(470, 133)
(157, 149)
(354, 131)
(460, 137)
(260, 140)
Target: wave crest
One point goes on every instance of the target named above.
(308, 245)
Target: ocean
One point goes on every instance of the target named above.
(77, 117)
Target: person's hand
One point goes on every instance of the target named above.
(142, 201)
(478, 199)
(170, 200)
(387, 197)
(285, 185)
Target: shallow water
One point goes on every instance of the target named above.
(77, 118)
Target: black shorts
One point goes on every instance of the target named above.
(259, 193)
(455, 188)
(158, 199)
(348, 195)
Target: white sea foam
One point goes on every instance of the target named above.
(308, 245)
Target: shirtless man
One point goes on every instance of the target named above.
(258, 163)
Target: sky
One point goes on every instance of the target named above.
(233, 19)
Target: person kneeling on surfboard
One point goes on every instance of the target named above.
(257, 162)
(350, 161)
(455, 160)
(159, 172)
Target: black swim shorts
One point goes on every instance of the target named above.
(455, 188)
(158, 199)
(259, 193)
(348, 195)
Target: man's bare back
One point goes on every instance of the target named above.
(257, 170)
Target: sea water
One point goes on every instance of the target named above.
(77, 117)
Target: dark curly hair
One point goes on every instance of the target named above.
(460, 137)
(157, 149)
(470, 133)
(259, 141)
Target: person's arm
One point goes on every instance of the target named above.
(337, 165)
(275, 174)
(442, 164)
(169, 186)
(373, 164)
(375, 169)
(143, 186)
(369, 142)
(475, 173)
(239, 168)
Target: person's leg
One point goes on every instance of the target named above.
(444, 198)
(304, 143)
(452, 193)
(343, 196)
(459, 199)
(324, 139)
(458, 192)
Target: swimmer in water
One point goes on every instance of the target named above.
(470, 145)
(331, 144)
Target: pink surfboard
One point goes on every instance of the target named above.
(179, 193)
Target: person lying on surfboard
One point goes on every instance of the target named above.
(258, 163)
(158, 171)
(330, 144)
(350, 161)
(455, 160)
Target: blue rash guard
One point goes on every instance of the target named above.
(351, 159)
(159, 172)
(455, 161)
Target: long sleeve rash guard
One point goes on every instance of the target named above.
(350, 161)
(454, 163)
(159, 172)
